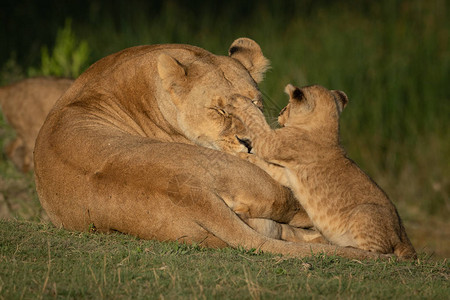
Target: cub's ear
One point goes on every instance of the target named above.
(294, 92)
(341, 98)
(172, 74)
(249, 54)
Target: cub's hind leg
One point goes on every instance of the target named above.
(373, 228)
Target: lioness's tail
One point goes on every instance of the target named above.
(227, 226)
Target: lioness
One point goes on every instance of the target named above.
(344, 204)
(134, 146)
(25, 105)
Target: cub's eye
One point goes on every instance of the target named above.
(282, 111)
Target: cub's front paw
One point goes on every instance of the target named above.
(245, 156)
(250, 157)
(228, 105)
(239, 102)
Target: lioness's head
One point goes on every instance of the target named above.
(194, 84)
(312, 107)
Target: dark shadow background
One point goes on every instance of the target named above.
(27, 25)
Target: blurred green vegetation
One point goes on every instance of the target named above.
(68, 58)
(392, 58)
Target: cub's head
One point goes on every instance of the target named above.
(196, 80)
(312, 107)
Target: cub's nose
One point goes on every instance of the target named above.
(246, 142)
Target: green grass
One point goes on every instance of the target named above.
(39, 261)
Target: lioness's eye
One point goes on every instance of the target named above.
(221, 111)
(216, 111)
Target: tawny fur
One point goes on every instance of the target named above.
(344, 204)
(25, 105)
(135, 145)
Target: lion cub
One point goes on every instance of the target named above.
(344, 204)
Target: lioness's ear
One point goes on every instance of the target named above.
(249, 54)
(172, 74)
(341, 98)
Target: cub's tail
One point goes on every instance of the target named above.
(404, 249)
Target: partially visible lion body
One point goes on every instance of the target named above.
(125, 149)
(25, 106)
